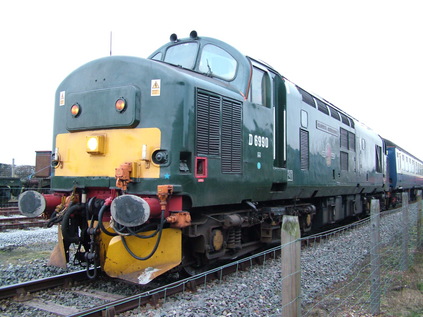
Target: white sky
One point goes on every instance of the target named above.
(364, 56)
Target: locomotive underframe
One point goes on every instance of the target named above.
(213, 235)
(225, 235)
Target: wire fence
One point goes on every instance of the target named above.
(353, 270)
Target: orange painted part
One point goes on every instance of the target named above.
(179, 219)
(122, 175)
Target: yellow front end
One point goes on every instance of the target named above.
(79, 155)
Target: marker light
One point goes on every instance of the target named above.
(95, 144)
(75, 110)
(120, 105)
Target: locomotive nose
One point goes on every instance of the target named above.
(130, 210)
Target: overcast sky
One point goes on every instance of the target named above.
(363, 56)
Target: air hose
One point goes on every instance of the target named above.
(159, 230)
(70, 224)
(131, 232)
(100, 221)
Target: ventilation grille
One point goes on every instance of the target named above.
(344, 161)
(231, 137)
(219, 130)
(208, 118)
(351, 141)
(304, 149)
(344, 138)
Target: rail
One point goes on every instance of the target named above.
(22, 289)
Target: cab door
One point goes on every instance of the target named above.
(268, 90)
(279, 108)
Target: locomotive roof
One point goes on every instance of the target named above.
(219, 60)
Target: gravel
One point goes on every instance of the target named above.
(24, 255)
(19, 238)
(253, 292)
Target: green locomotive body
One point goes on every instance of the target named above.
(194, 155)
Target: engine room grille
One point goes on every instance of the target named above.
(219, 130)
(208, 121)
(304, 149)
(231, 136)
(344, 161)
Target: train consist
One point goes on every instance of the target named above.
(194, 155)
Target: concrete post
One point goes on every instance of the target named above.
(419, 246)
(405, 237)
(291, 267)
(375, 257)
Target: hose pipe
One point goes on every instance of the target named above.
(70, 224)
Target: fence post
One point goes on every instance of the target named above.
(291, 267)
(419, 221)
(375, 257)
(404, 262)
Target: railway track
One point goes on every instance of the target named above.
(9, 211)
(19, 291)
(21, 223)
(28, 294)
(11, 218)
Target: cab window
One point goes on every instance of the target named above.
(216, 62)
(260, 87)
(158, 56)
(183, 55)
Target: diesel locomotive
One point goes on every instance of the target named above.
(193, 156)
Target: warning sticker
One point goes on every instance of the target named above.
(155, 87)
(62, 98)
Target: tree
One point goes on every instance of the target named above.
(22, 171)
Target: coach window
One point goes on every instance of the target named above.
(260, 87)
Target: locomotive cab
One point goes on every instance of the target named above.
(209, 57)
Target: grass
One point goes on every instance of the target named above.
(405, 297)
(402, 294)
(19, 255)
